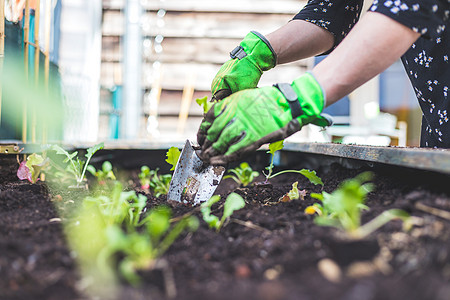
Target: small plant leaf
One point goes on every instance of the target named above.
(158, 222)
(91, 169)
(172, 157)
(293, 193)
(24, 172)
(31, 168)
(106, 167)
(91, 151)
(210, 219)
(275, 146)
(312, 176)
(204, 103)
(234, 202)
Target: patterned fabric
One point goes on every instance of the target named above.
(426, 62)
(338, 17)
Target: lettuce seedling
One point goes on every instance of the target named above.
(173, 154)
(144, 177)
(204, 103)
(232, 203)
(342, 208)
(158, 184)
(32, 167)
(122, 236)
(293, 194)
(243, 174)
(276, 146)
(103, 174)
(119, 207)
(75, 166)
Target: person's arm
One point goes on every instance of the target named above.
(299, 39)
(375, 43)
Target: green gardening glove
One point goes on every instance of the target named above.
(243, 71)
(241, 123)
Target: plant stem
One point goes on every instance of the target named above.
(387, 216)
(284, 171)
(269, 175)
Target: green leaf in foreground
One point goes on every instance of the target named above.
(232, 203)
(172, 156)
(342, 208)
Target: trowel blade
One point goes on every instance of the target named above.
(193, 181)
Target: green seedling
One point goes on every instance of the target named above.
(119, 207)
(273, 148)
(150, 180)
(144, 177)
(32, 167)
(342, 208)
(243, 174)
(276, 146)
(293, 194)
(140, 249)
(103, 174)
(75, 165)
(111, 230)
(232, 203)
(204, 103)
(159, 184)
(173, 154)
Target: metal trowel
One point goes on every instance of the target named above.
(193, 180)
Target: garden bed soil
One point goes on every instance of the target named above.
(268, 250)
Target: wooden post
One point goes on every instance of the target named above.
(48, 18)
(2, 47)
(26, 35)
(36, 67)
(186, 99)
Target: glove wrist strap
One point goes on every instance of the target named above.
(238, 52)
(292, 98)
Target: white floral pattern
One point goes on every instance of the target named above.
(426, 62)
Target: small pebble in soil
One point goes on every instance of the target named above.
(273, 273)
(242, 271)
(361, 269)
(330, 270)
(263, 253)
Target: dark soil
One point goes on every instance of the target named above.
(268, 250)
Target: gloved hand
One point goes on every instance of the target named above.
(241, 123)
(243, 71)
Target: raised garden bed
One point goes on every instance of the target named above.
(268, 250)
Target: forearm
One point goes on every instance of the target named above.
(299, 39)
(374, 44)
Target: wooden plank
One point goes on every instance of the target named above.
(197, 25)
(250, 6)
(174, 74)
(196, 50)
(199, 50)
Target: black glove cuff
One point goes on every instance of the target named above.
(292, 98)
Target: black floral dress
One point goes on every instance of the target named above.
(426, 62)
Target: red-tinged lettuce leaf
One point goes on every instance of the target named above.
(32, 167)
(24, 172)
